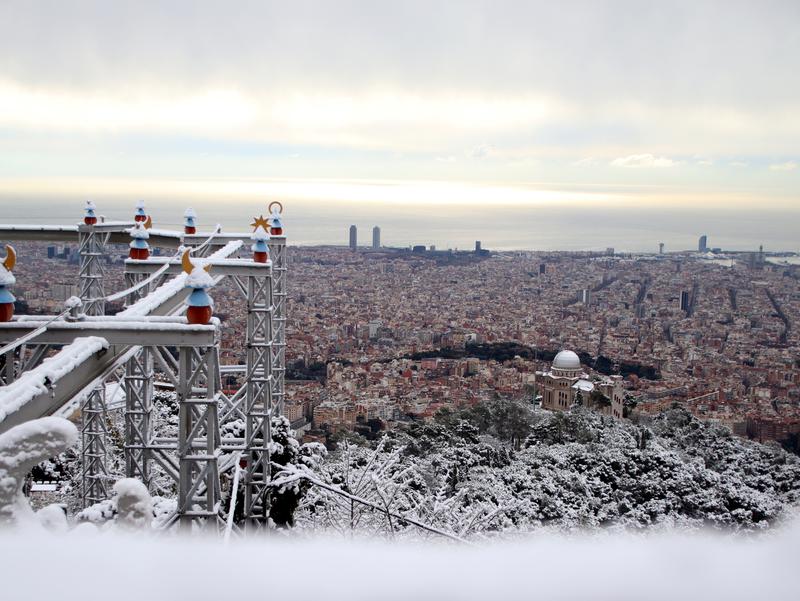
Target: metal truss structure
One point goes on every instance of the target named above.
(150, 337)
(277, 249)
(94, 470)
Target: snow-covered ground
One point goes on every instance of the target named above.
(93, 565)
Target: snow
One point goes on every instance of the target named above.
(53, 518)
(6, 277)
(125, 567)
(158, 297)
(583, 385)
(260, 234)
(39, 228)
(21, 448)
(190, 213)
(140, 204)
(139, 232)
(155, 299)
(35, 382)
(150, 324)
(199, 278)
(134, 506)
(90, 206)
(72, 302)
(115, 395)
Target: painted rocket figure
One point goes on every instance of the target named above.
(201, 306)
(276, 224)
(140, 249)
(90, 218)
(7, 279)
(260, 249)
(189, 226)
(140, 214)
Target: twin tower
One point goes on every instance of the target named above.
(376, 237)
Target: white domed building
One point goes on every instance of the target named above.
(560, 387)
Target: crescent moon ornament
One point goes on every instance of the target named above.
(275, 202)
(186, 262)
(11, 258)
(148, 223)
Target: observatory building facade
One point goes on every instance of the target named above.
(566, 383)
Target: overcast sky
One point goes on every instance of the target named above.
(686, 98)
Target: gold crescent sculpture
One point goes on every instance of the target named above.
(148, 223)
(187, 264)
(11, 258)
(275, 202)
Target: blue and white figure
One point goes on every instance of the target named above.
(200, 304)
(140, 214)
(189, 225)
(260, 249)
(276, 223)
(7, 279)
(139, 248)
(90, 218)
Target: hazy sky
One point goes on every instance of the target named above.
(666, 101)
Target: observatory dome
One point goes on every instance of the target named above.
(566, 360)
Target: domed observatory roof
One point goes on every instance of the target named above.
(567, 364)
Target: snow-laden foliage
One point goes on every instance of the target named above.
(131, 508)
(21, 448)
(574, 470)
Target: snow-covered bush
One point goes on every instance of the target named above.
(575, 470)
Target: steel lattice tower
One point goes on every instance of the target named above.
(138, 410)
(277, 251)
(259, 398)
(198, 437)
(94, 473)
(91, 247)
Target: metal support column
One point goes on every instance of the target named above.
(94, 470)
(91, 248)
(198, 437)
(138, 409)
(277, 253)
(259, 399)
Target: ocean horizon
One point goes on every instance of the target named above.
(536, 226)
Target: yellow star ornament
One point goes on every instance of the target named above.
(260, 221)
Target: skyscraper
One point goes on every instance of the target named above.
(353, 237)
(376, 237)
(702, 244)
(661, 248)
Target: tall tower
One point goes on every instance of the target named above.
(376, 237)
(702, 244)
(661, 248)
(685, 300)
(353, 237)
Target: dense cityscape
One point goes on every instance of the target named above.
(378, 337)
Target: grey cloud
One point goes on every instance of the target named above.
(732, 52)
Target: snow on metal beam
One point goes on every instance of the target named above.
(62, 375)
(233, 267)
(48, 389)
(116, 331)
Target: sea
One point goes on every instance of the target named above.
(516, 226)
